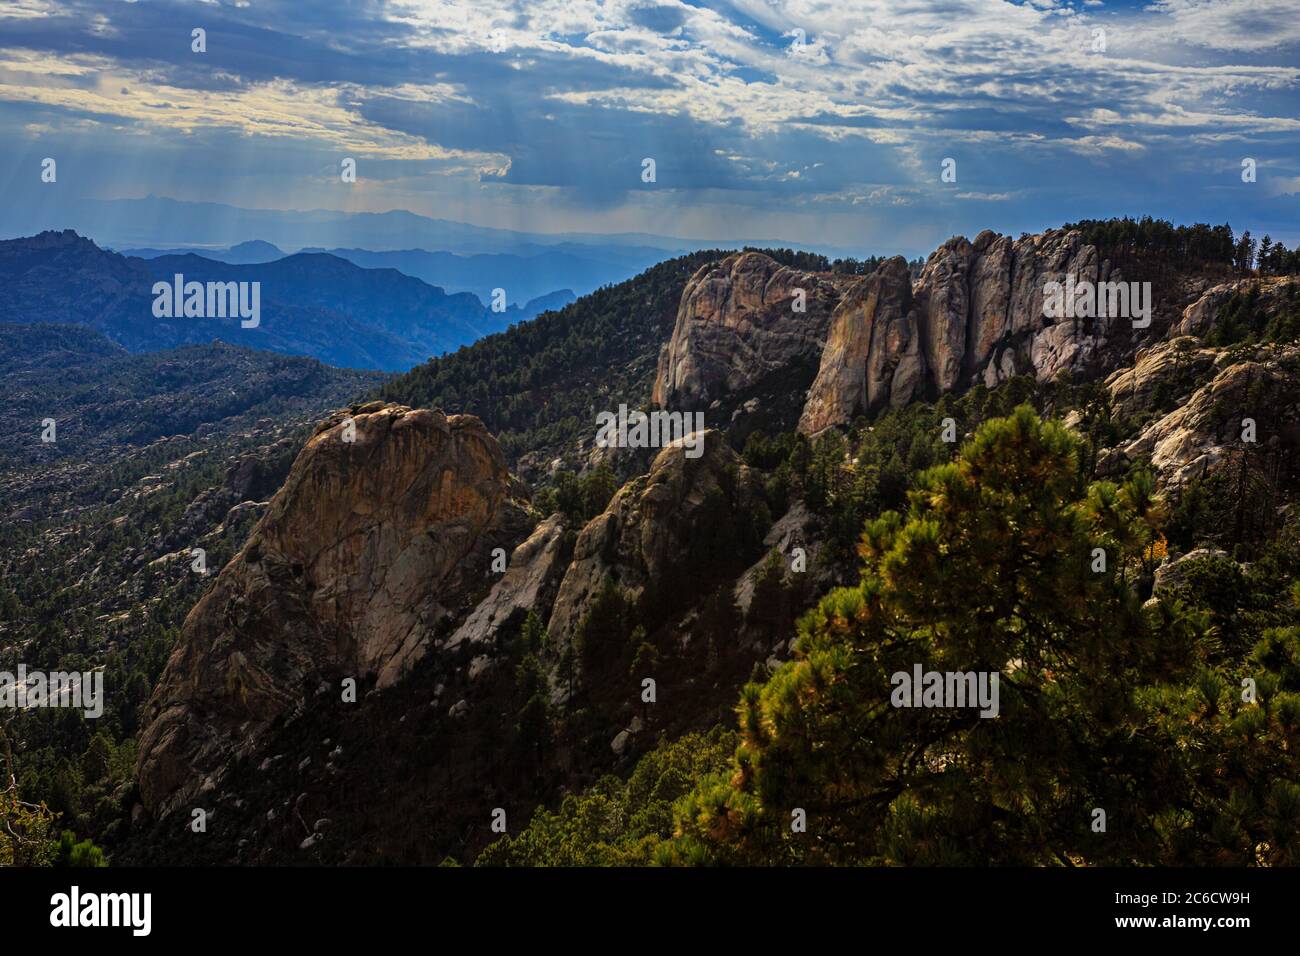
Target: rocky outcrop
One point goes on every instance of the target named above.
(1270, 295)
(370, 544)
(990, 297)
(652, 527)
(529, 583)
(737, 323)
(1161, 374)
(942, 300)
(1255, 401)
(975, 314)
(797, 528)
(1173, 570)
(872, 356)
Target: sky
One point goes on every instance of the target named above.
(817, 122)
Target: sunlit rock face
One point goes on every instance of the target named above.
(740, 320)
(383, 526)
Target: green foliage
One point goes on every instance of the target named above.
(850, 477)
(1131, 241)
(1104, 702)
(78, 854)
(25, 827)
(81, 584)
(778, 597)
(578, 499)
(601, 640)
(617, 822)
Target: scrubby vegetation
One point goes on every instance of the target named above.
(95, 566)
(1175, 715)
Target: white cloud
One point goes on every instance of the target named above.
(1236, 25)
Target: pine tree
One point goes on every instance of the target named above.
(988, 571)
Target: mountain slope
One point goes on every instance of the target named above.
(315, 305)
(523, 277)
(104, 399)
(527, 683)
(538, 386)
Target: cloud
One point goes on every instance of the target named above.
(1237, 25)
(494, 106)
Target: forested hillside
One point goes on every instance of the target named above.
(537, 385)
(1114, 537)
(1113, 699)
(151, 456)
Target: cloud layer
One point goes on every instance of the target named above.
(801, 120)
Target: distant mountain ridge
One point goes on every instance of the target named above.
(522, 277)
(243, 253)
(317, 305)
(532, 283)
(159, 221)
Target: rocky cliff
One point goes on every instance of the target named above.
(873, 354)
(369, 547)
(974, 315)
(740, 320)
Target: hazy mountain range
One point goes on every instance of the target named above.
(312, 304)
(576, 270)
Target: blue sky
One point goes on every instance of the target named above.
(537, 115)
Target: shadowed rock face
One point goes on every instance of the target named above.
(737, 323)
(528, 584)
(649, 527)
(367, 548)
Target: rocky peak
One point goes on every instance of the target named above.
(375, 540)
(872, 356)
(737, 323)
